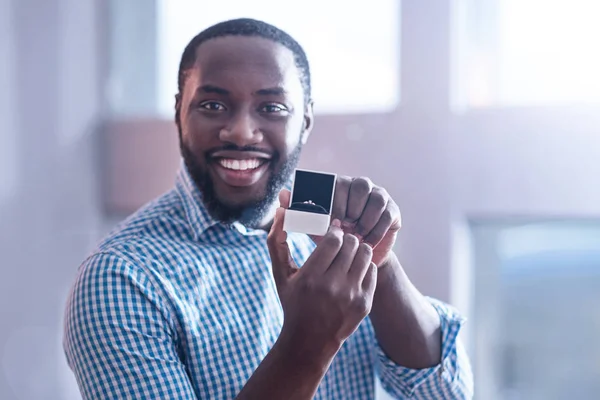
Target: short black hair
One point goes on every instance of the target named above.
(246, 27)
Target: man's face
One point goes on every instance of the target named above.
(242, 120)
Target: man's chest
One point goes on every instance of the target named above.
(229, 337)
(230, 317)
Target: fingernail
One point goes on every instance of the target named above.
(336, 222)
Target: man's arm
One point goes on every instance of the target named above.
(420, 354)
(119, 338)
(406, 324)
(415, 339)
(323, 304)
(292, 370)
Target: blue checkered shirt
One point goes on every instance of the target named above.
(174, 305)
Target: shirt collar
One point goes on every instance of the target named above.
(196, 213)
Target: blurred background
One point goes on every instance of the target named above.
(480, 117)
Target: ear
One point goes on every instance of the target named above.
(307, 124)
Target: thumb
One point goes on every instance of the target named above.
(284, 198)
(281, 258)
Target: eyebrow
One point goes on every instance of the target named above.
(274, 91)
(212, 90)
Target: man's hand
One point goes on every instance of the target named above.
(325, 300)
(412, 337)
(366, 211)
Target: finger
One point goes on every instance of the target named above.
(326, 251)
(316, 239)
(340, 197)
(358, 195)
(342, 262)
(388, 221)
(376, 205)
(369, 283)
(284, 198)
(360, 264)
(281, 259)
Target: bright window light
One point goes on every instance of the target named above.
(531, 52)
(352, 47)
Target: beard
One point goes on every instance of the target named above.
(253, 212)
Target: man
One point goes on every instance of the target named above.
(199, 294)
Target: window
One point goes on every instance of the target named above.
(528, 52)
(353, 47)
(535, 315)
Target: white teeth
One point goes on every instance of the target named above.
(239, 165)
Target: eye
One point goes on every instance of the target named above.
(212, 106)
(274, 108)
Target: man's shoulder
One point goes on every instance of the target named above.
(155, 227)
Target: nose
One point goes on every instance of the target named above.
(242, 131)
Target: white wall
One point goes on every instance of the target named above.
(7, 141)
(49, 97)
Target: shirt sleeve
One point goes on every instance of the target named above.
(452, 379)
(119, 337)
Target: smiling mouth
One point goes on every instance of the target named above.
(246, 165)
(238, 173)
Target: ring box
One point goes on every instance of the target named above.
(311, 202)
